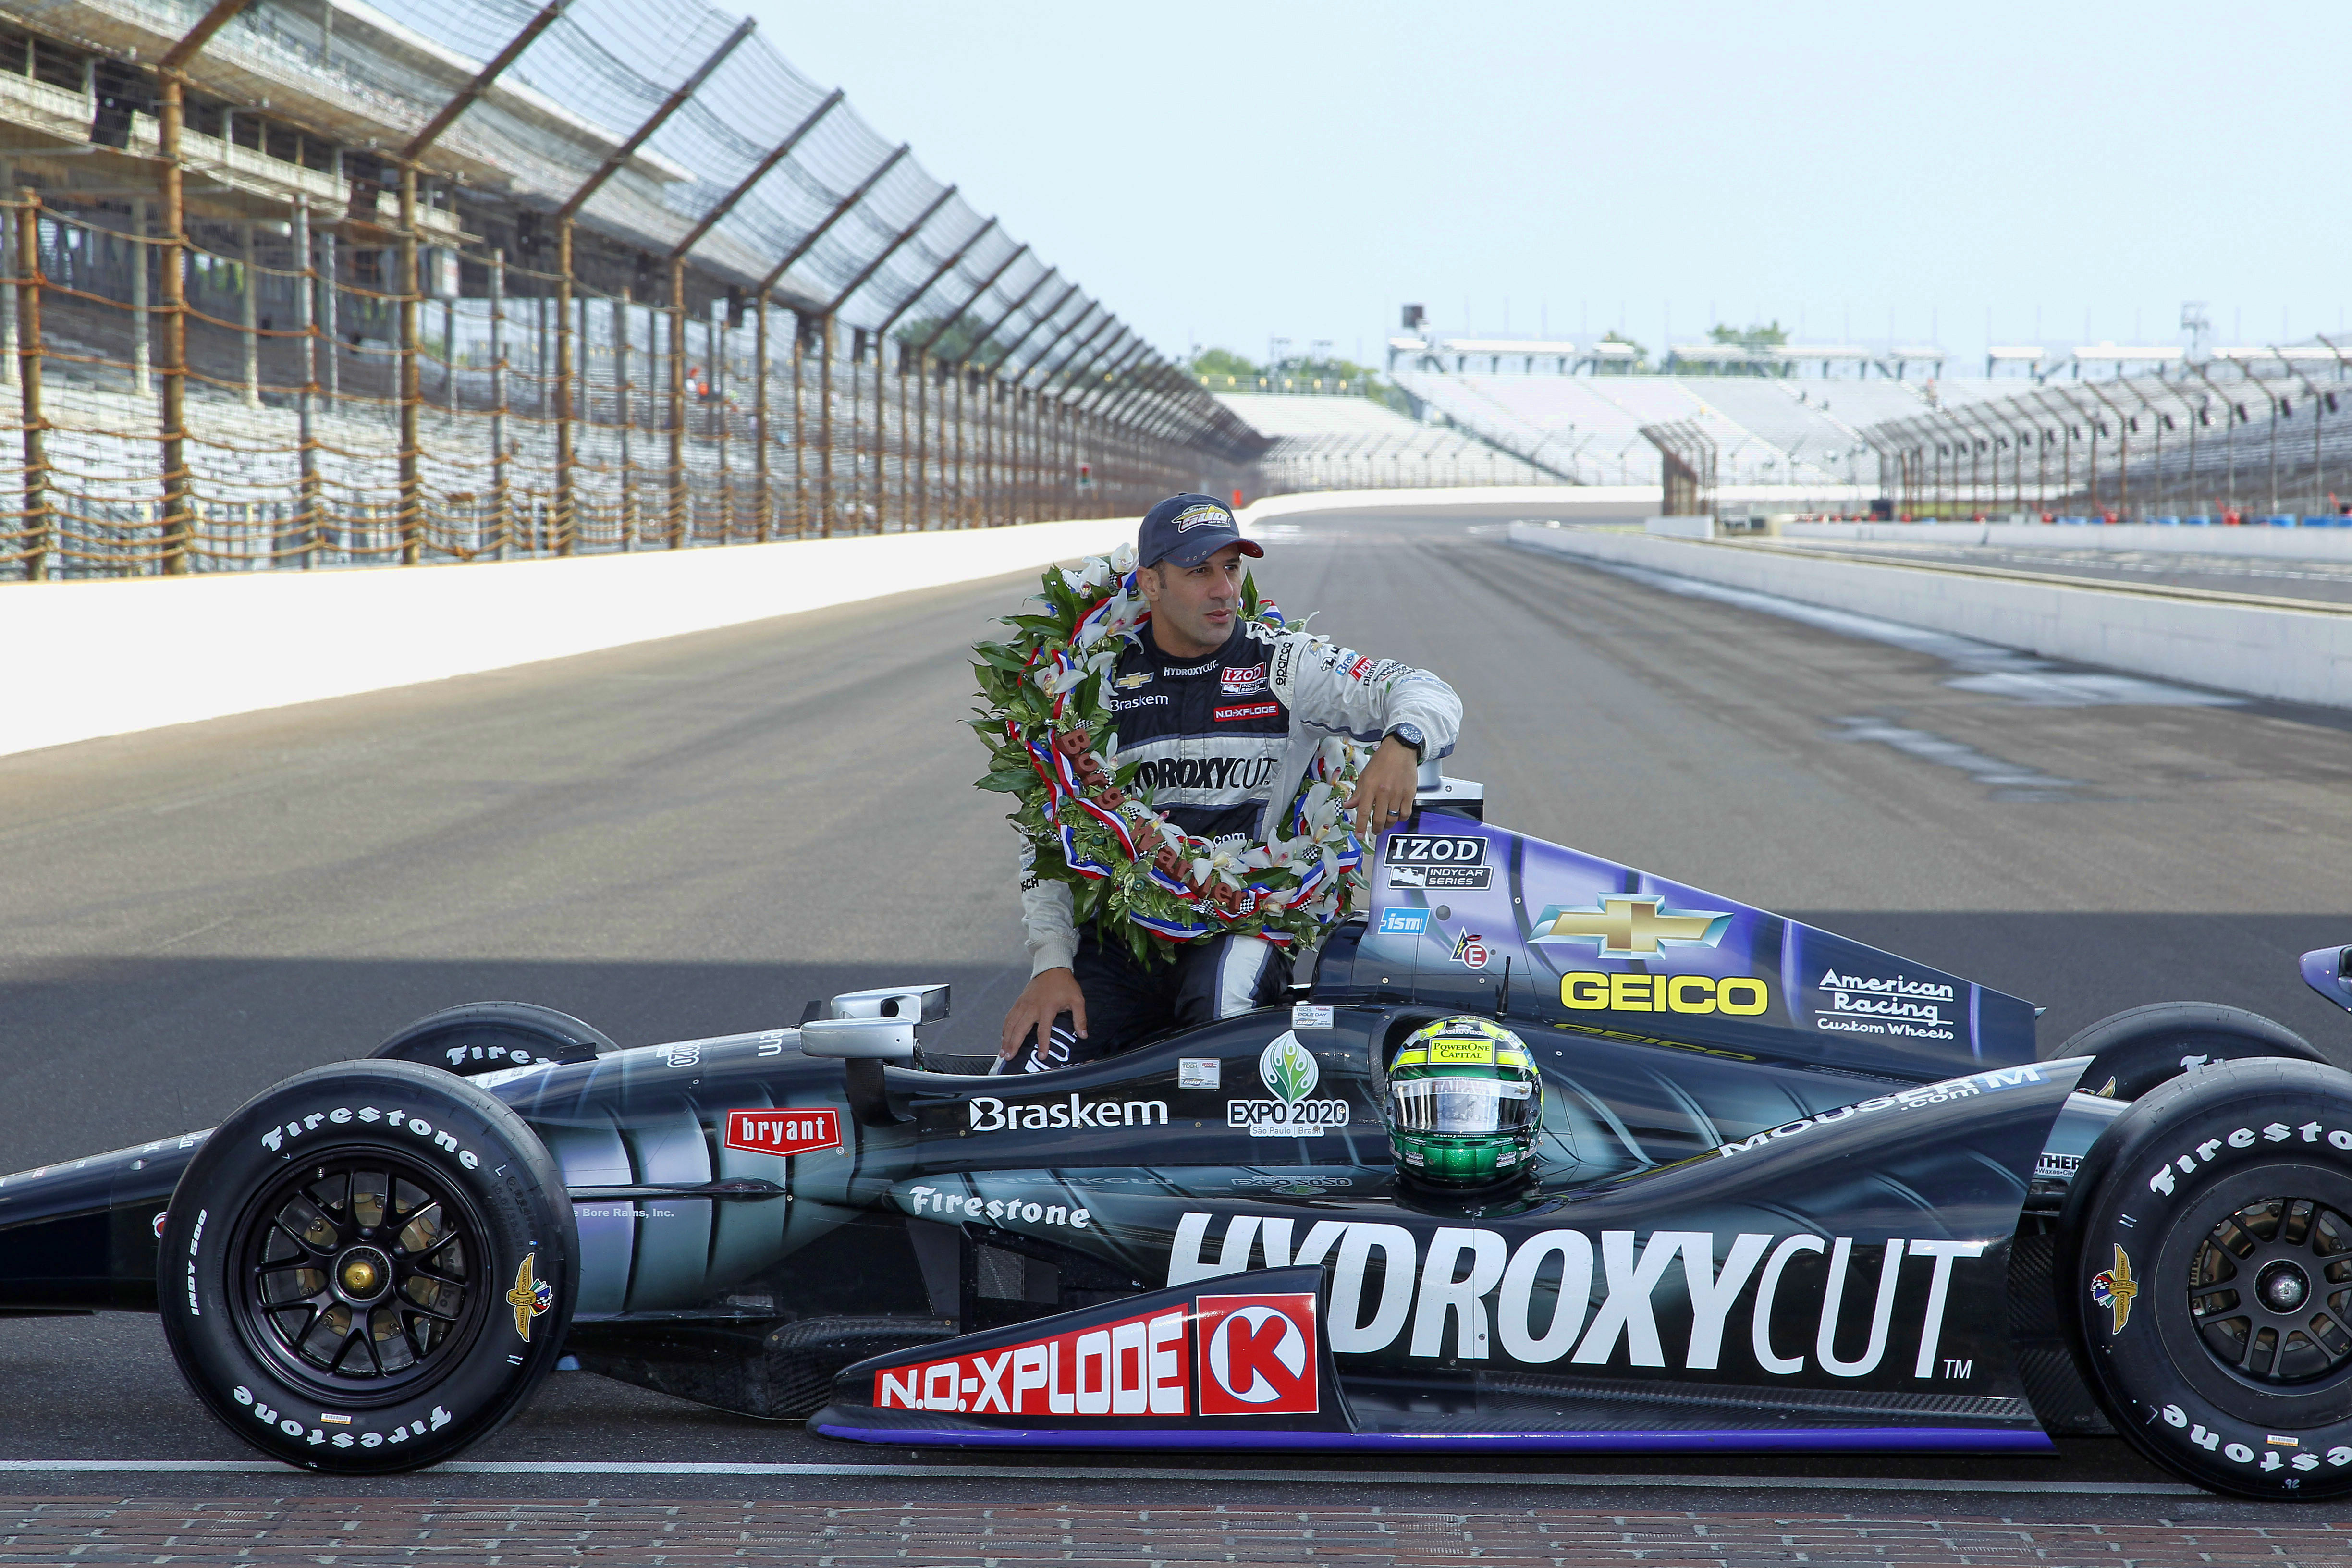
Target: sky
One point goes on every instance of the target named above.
(1224, 174)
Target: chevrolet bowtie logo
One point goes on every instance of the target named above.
(1631, 925)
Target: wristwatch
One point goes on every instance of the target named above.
(1411, 736)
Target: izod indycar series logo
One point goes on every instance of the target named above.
(1438, 860)
(1247, 683)
(1289, 1072)
(788, 1130)
(1778, 1302)
(1256, 1354)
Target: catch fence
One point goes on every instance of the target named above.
(2249, 433)
(243, 338)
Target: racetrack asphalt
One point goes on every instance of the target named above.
(693, 837)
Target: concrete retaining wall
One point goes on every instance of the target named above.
(104, 657)
(2290, 655)
(2283, 543)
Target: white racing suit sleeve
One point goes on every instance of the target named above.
(1335, 689)
(1052, 935)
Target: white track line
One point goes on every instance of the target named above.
(998, 1472)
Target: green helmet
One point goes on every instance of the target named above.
(1464, 1104)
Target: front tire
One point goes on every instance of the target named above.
(2204, 1274)
(368, 1267)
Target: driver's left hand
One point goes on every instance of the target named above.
(1384, 790)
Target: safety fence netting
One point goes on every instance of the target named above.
(670, 429)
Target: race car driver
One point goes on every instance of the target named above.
(1224, 715)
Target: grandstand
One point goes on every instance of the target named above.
(1767, 430)
(301, 282)
(1352, 443)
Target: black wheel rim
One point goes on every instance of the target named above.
(2270, 1291)
(361, 1275)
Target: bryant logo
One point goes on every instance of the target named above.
(1257, 1356)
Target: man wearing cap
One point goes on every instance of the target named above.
(1223, 715)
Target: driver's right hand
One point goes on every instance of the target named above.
(1049, 994)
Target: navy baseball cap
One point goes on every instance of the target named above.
(1187, 530)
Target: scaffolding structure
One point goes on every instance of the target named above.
(294, 283)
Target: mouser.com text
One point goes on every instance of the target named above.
(990, 1114)
(1902, 1100)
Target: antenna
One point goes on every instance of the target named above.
(1503, 998)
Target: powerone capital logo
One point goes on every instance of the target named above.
(1289, 1072)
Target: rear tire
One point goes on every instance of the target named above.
(368, 1267)
(2137, 1049)
(2204, 1277)
(489, 1037)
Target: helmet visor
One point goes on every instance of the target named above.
(1471, 1106)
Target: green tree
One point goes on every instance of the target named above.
(1225, 370)
(1641, 359)
(955, 346)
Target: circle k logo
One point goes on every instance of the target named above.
(1258, 1355)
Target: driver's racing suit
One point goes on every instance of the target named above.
(1219, 739)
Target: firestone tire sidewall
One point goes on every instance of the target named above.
(2197, 1150)
(464, 1138)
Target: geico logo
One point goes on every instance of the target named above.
(1205, 773)
(1135, 1366)
(2244, 1453)
(343, 1437)
(1928, 1094)
(990, 1114)
(1590, 992)
(1439, 1292)
(276, 1137)
(2244, 1138)
(932, 1200)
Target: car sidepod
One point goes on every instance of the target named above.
(1834, 1284)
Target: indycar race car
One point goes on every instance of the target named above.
(1779, 1191)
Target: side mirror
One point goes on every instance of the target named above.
(2328, 970)
(860, 1039)
(915, 1003)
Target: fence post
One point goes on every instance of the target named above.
(179, 523)
(678, 514)
(306, 304)
(141, 356)
(501, 498)
(759, 416)
(564, 505)
(249, 313)
(800, 429)
(714, 390)
(38, 524)
(824, 430)
(625, 397)
(412, 484)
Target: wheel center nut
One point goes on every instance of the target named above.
(361, 1274)
(2282, 1287)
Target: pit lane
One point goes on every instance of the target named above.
(691, 837)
